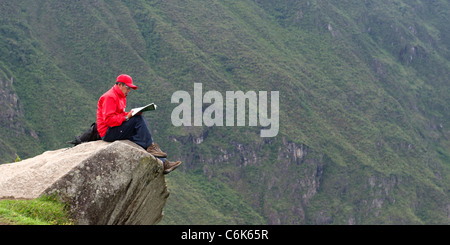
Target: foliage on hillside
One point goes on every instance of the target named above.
(364, 91)
(40, 211)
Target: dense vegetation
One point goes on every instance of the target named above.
(364, 91)
(40, 211)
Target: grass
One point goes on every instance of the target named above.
(40, 211)
(195, 199)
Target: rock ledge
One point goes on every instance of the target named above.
(104, 183)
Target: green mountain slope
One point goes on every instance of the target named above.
(364, 91)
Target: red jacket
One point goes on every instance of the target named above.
(111, 110)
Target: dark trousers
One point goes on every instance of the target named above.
(135, 129)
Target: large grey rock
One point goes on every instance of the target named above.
(104, 183)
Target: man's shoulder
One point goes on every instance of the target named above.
(109, 93)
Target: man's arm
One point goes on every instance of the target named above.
(111, 117)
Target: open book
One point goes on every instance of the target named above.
(149, 107)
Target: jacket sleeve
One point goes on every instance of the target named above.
(111, 117)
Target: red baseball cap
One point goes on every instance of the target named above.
(124, 78)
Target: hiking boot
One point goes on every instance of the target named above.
(170, 166)
(156, 151)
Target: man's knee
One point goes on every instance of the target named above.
(137, 118)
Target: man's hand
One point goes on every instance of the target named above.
(130, 114)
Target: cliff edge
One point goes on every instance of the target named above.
(103, 183)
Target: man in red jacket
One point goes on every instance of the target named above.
(114, 123)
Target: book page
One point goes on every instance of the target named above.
(148, 107)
